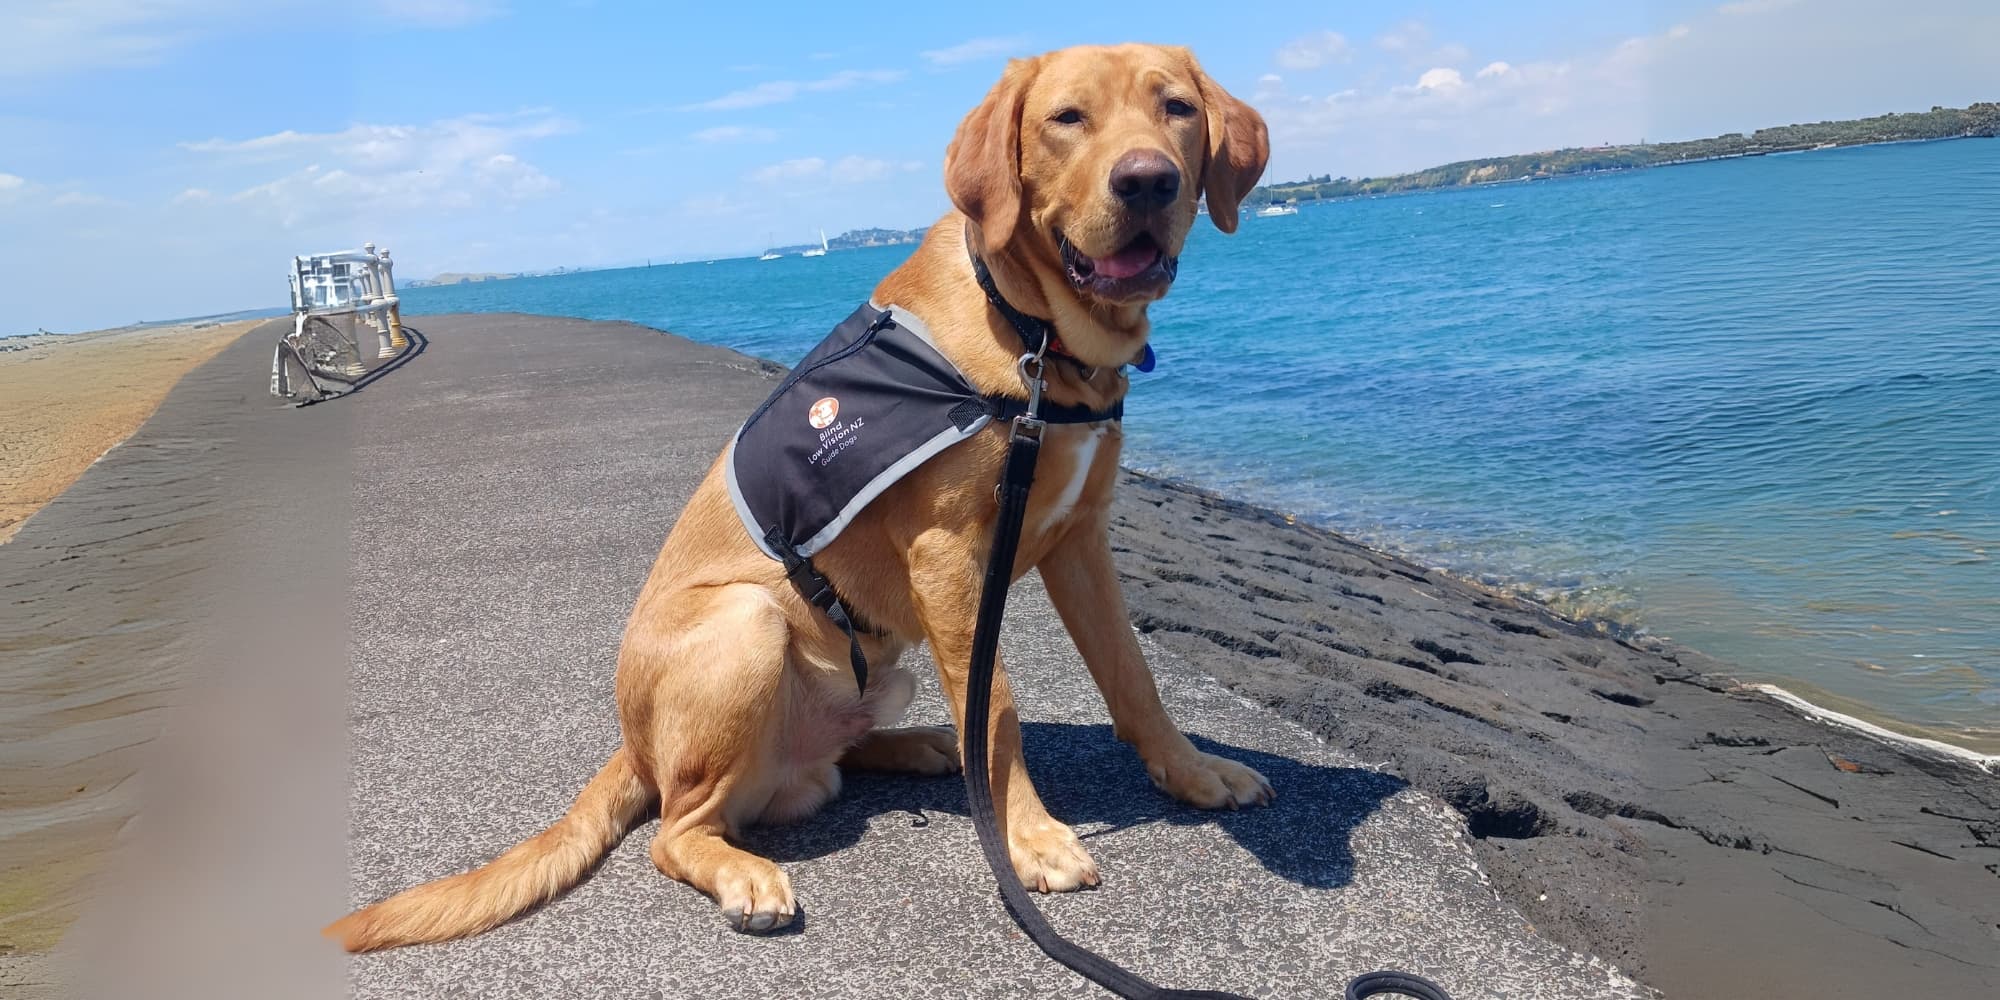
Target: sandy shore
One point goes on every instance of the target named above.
(66, 400)
(1628, 798)
(102, 589)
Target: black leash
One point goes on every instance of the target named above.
(1024, 447)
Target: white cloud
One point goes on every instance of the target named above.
(315, 194)
(789, 170)
(44, 37)
(859, 169)
(1446, 115)
(69, 199)
(1410, 43)
(975, 50)
(446, 142)
(735, 133)
(20, 191)
(1441, 78)
(453, 164)
(1314, 50)
(38, 37)
(780, 91)
(506, 174)
(846, 170)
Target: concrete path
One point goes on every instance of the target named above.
(510, 488)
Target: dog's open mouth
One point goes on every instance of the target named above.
(1141, 268)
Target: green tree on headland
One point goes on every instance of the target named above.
(1937, 123)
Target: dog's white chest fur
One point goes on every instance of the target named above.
(1083, 455)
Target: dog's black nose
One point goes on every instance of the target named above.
(1145, 179)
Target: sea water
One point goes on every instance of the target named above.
(1753, 404)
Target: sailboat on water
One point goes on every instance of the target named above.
(770, 254)
(821, 252)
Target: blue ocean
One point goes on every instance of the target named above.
(1753, 405)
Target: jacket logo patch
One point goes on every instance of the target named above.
(823, 412)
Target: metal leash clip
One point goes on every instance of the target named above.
(1031, 422)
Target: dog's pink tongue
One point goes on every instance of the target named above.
(1129, 261)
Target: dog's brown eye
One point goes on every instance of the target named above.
(1068, 116)
(1179, 108)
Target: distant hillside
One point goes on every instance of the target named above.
(855, 239)
(461, 278)
(455, 278)
(1937, 123)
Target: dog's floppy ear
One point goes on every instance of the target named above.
(1238, 148)
(982, 167)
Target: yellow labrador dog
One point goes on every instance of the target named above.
(1076, 181)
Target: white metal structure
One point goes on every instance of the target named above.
(333, 295)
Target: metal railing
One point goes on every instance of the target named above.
(335, 295)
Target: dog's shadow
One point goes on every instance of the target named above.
(1090, 780)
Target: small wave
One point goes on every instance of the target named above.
(1989, 763)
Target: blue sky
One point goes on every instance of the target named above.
(164, 158)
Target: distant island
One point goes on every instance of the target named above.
(460, 278)
(855, 239)
(1938, 123)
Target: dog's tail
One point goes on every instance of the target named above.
(528, 874)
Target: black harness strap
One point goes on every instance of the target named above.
(1007, 408)
(818, 592)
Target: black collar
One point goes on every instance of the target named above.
(1037, 335)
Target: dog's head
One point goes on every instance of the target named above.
(1090, 162)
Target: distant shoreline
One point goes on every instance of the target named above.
(1613, 171)
(1981, 120)
(1719, 158)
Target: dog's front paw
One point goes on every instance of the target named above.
(755, 896)
(1206, 781)
(1048, 857)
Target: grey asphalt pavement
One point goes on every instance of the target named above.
(511, 485)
